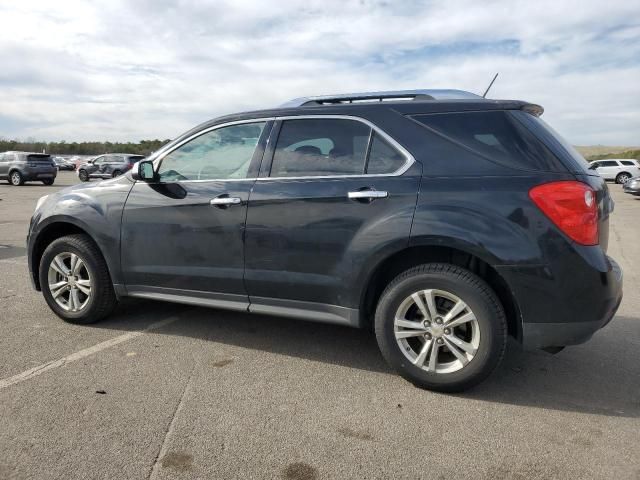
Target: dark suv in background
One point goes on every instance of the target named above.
(442, 220)
(20, 167)
(107, 166)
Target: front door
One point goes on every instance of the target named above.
(335, 191)
(183, 236)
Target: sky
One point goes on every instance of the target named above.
(78, 70)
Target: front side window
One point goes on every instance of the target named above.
(320, 147)
(224, 153)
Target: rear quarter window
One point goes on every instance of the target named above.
(496, 135)
(628, 163)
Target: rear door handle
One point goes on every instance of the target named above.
(367, 194)
(225, 201)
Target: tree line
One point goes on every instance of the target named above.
(143, 147)
(632, 154)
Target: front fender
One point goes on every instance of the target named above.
(94, 208)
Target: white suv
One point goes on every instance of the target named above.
(619, 170)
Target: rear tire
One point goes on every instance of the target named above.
(413, 336)
(622, 178)
(48, 181)
(83, 175)
(16, 179)
(77, 291)
(116, 173)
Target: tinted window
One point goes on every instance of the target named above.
(496, 135)
(135, 158)
(320, 147)
(608, 164)
(628, 163)
(383, 158)
(219, 154)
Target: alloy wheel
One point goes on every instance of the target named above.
(69, 281)
(16, 179)
(436, 331)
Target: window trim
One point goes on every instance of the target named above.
(409, 159)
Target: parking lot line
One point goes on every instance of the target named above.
(86, 352)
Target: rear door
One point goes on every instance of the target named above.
(183, 235)
(331, 193)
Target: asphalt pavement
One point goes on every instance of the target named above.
(170, 391)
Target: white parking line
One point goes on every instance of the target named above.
(45, 367)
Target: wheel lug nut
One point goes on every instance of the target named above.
(439, 341)
(426, 324)
(438, 320)
(447, 331)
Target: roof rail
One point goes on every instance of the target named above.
(343, 98)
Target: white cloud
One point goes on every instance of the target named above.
(118, 70)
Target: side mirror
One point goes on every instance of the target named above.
(143, 170)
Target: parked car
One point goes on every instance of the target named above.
(632, 186)
(20, 167)
(439, 219)
(619, 170)
(64, 164)
(107, 166)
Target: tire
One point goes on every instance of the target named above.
(83, 175)
(116, 173)
(90, 308)
(16, 179)
(484, 337)
(622, 178)
(48, 181)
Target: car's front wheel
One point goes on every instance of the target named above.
(16, 179)
(75, 280)
(116, 173)
(441, 327)
(83, 175)
(48, 181)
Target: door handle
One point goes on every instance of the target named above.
(225, 201)
(367, 194)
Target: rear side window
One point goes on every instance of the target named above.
(628, 163)
(332, 147)
(135, 158)
(496, 135)
(608, 163)
(320, 147)
(383, 158)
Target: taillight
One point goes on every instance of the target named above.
(571, 206)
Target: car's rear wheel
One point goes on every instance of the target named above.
(441, 327)
(622, 178)
(16, 178)
(48, 181)
(116, 173)
(75, 280)
(83, 175)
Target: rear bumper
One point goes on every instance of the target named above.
(567, 308)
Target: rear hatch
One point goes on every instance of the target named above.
(40, 160)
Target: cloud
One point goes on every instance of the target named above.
(119, 70)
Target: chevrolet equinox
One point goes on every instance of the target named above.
(441, 220)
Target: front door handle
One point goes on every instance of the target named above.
(367, 194)
(225, 201)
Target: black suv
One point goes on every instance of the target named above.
(442, 220)
(20, 167)
(107, 166)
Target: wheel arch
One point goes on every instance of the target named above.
(50, 232)
(399, 261)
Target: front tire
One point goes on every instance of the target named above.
(441, 327)
(48, 181)
(83, 175)
(75, 280)
(16, 179)
(116, 173)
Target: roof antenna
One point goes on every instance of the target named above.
(489, 87)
